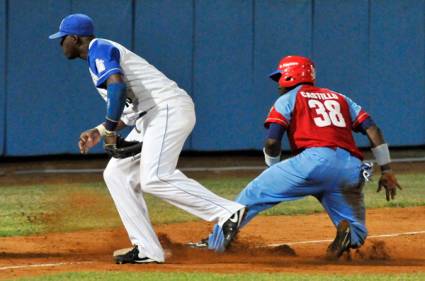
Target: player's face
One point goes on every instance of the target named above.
(69, 47)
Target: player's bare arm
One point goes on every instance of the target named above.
(388, 180)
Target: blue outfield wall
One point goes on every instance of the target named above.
(397, 70)
(280, 30)
(3, 110)
(51, 100)
(223, 75)
(165, 38)
(221, 53)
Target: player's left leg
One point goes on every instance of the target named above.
(344, 203)
(288, 180)
(348, 205)
(291, 179)
(166, 129)
(347, 211)
(274, 185)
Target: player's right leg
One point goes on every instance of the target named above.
(122, 177)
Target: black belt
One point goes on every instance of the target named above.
(141, 114)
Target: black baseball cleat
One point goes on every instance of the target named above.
(342, 242)
(132, 256)
(203, 244)
(231, 227)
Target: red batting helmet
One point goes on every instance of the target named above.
(293, 70)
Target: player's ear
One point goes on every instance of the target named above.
(76, 39)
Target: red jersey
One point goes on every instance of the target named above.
(318, 117)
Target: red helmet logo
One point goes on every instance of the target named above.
(293, 70)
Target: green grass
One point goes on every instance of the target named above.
(26, 210)
(412, 195)
(126, 276)
(34, 209)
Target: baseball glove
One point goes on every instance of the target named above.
(123, 149)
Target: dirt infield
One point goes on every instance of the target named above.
(92, 250)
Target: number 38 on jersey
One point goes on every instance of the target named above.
(328, 113)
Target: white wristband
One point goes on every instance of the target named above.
(102, 130)
(382, 154)
(270, 160)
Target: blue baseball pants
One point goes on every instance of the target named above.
(333, 176)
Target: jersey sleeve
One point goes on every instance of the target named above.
(357, 113)
(104, 61)
(281, 111)
(275, 117)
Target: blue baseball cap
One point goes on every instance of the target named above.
(75, 24)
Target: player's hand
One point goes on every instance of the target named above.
(389, 182)
(88, 139)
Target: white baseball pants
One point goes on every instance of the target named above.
(163, 131)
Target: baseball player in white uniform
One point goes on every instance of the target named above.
(163, 116)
